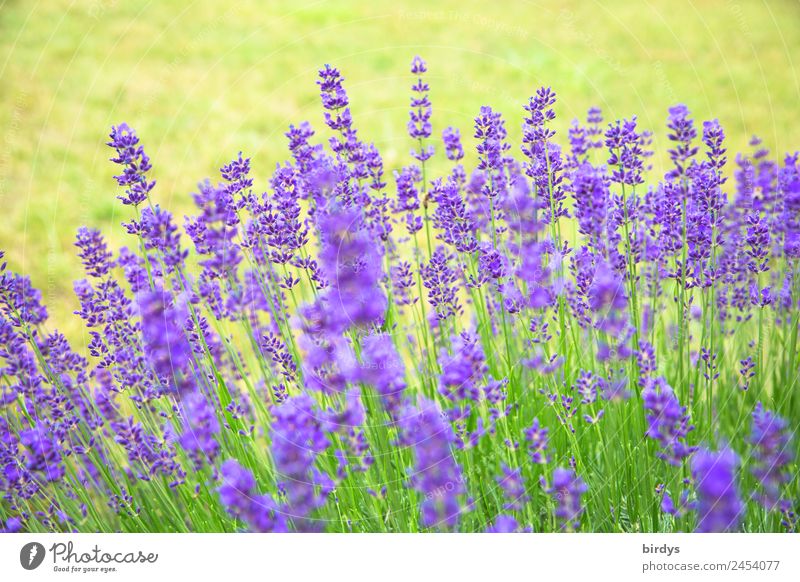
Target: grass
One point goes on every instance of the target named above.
(200, 82)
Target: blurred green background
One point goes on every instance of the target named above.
(201, 81)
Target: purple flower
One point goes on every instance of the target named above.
(435, 475)
(667, 422)
(719, 508)
(280, 356)
(402, 283)
(567, 489)
(514, 490)
(13, 525)
(165, 342)
(237, 174)
(713, 138)
(608, 300)
(383, 368)
(148, 454)
(297, 440)
(504, 524)
(545, 163)
(747, 371)
(93, 252)
(463, 367)
(161, 235)
(583, 139)
(346, 418)
(440, 281)
(408, 197)
(490, 129)
(135, 162)
(334, 99)
(419, 124)
(201, 426)
(758, 243)
(452, 144)
(20, 301)
(625, 145)
(590, 190)
(351, 262)
(682, 133)
(454, 219)
(43, 454)
(587, 386)
(237, 494)
(771, 440)
(536, 437)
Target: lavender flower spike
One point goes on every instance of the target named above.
(135, 162)
(719, 507)
(567, 490)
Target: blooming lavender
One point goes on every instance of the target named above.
(297, 439)
(452, 144)
(536, 437)
(435, 474)
(367, 342)
(719, 507)
(419, 124)
(384, 370)
(237, 494)
(667, 422)
(351, 262)
(567, 490)
(438, 277)
(135, 165)
(772, 442)
(513, 486)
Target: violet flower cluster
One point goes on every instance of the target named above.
(501, 333)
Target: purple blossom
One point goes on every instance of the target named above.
(419, 124)
(626, 147)
(682, 133)
(504, 524)
(135, 165)
(408, 197)
(771, 440)
(719, 508)
(439, 279)
(463, 367)
(490, 130)
(567, 489)
(435, 475)
(297, 440)
(452, 144)
(590, 190)
(536, 437)
(238, 495)
(383, 368)
(454, 219)
(93, 252)
(514, 490)
(667, 422)
(545, 163)
(758, 243)
(351, 262)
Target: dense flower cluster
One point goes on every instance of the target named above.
(489, 341)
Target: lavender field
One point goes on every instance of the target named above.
(546, 336)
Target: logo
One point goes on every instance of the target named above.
(31, 555)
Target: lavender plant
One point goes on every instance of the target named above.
(549, 342)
